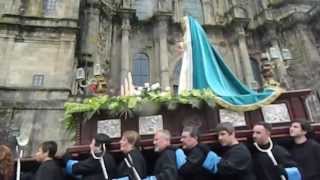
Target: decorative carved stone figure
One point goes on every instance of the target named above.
(208, 11)
(165, 5)
(127, 3)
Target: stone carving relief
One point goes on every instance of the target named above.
(111, 127)
(208, 11)
(150, 124)
(192, 8)
(165, 5)
(128, 4)
(145, 9)
(236, 118)
(276, 113)
(104, 40)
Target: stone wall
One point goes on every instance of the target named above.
(37, 65)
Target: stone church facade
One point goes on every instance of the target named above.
(45, 44)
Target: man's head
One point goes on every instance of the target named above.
(189, 137)
(299, 128)
(261, 133)
(226, 134)
(100, 140)
(47, 150)
(130, 139)
(161, 140)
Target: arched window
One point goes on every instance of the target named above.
(193, 8)
(140, 69)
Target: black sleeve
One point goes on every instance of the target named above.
(46, 172)
(239, 160)
(168, 169)
(194, 162)
(139, 163)
(285, 158)
(316, 150)
(110, 165)
(85, 167)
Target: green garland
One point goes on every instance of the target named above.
(129, 105)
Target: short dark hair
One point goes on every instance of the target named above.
(305, 125)
(194, 131)
(102, 139)
(225, 126)
(266, 125)
(49, 147)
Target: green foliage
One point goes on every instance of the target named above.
(129, 105)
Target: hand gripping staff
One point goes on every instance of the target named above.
(101, 161)
(130, 165)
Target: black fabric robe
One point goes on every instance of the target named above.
(192, 169)
(90, 168)
(263, 166)
(236, 164)
(307, 155)
(165, 167)
(138, 162)
(49, 170)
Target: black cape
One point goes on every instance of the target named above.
(138, 162)
(165, 167)
(90, 168)
(192, 169)
(49, 170)
(263, 166)
(307, 155)
(236, 164)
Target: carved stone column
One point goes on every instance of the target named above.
(125, 45)
(163, 47)
(178, 10)
(90, 33)
(245, 59)
(310, 47)
(235, 50)
(280, 69)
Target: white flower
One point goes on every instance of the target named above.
(167, 88)
(147, 85)
(155, 86)
(137, 93)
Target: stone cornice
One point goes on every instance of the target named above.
(41, 22)
(294, 19)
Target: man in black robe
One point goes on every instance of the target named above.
(273, 166)
(165, 167)
(49, 169)
(133, 165)
(236, 162)
(306, 152)
(190, 159)
(91, 168)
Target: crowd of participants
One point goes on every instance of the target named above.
(261, 160)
